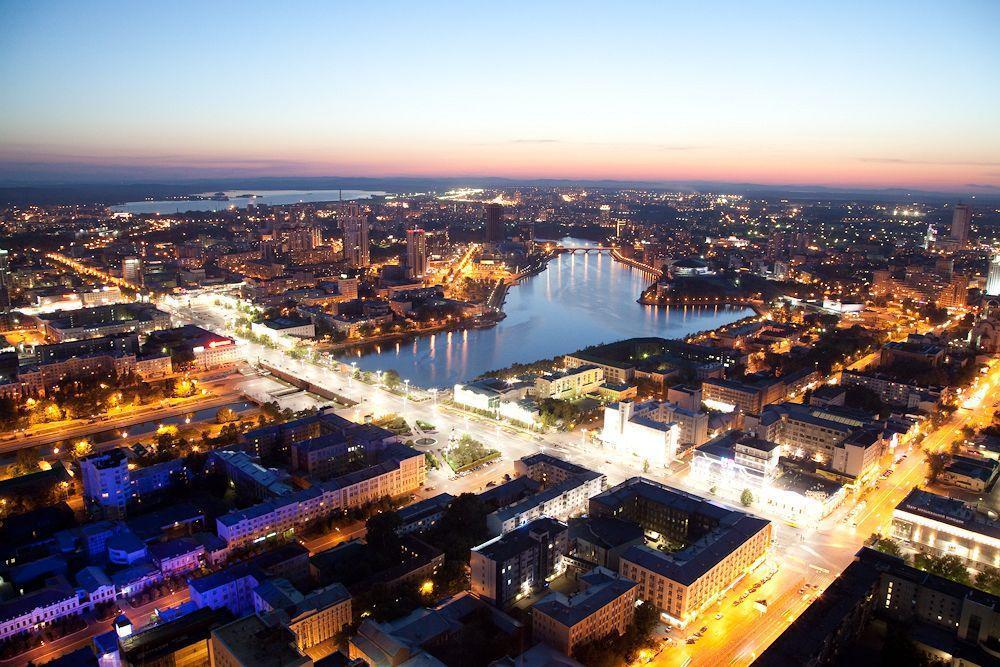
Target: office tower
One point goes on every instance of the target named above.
(132, 270)
(416, 253)
(993, 277)
(494, 223)
(960, 221)
(355, 225)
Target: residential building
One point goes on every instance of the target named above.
(230, 588)
(250, 642)
(947, 622)
(569, 383)
(916, 350)
(993, 276)
(313, 618)
(961, 222)
(894, 391)
(416, 253)
(842, 441)
(600, 540)
(718, 545)
(177, 556)
(515, 563)
(423, 515)
(132, 271)
(605, 605)
(565, 489)
(973, 473)
(748, 397)
(339, 448)
(110, 484)
(354, 222)
(34, 611)
(394, 471)
(495, 228)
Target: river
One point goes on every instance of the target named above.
(241, 199)
(579, 300)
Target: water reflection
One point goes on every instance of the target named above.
(558, 311)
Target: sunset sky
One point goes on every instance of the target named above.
(868, 94)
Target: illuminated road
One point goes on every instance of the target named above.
(807, 558)
(816, 557)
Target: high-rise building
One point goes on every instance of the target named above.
(494, 223)
(304, 238)
(961, 219)
(993, 277)
(132, 270)
(4, 281)
(355, 225)
(930, 238)
(416, 253)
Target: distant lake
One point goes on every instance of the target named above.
(578, 300)
(241, 199)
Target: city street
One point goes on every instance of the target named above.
(806, 558)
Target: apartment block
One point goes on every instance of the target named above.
(719, 544)
(604, 605)
(565, 489)
(514, 564)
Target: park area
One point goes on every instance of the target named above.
(468, 454)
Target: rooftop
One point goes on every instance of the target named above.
(519, 540)
(602, 588)
(255, 644)
(947, 510)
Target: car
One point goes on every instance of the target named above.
(703, 630)
(718, 616)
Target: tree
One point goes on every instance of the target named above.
(936, 463)
(988, 580)
(746, 498)
(462, 527)
(225, 415)
(645, 465)
(26, 461)
(182, 358)
(950, 567)
(886, 545)
(82, 448)
(11, 415)
(383, 542)
(391, 379)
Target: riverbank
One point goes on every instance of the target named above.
(478, 322)
(576, 301)
(703, 301)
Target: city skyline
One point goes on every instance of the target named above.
(857, 96)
